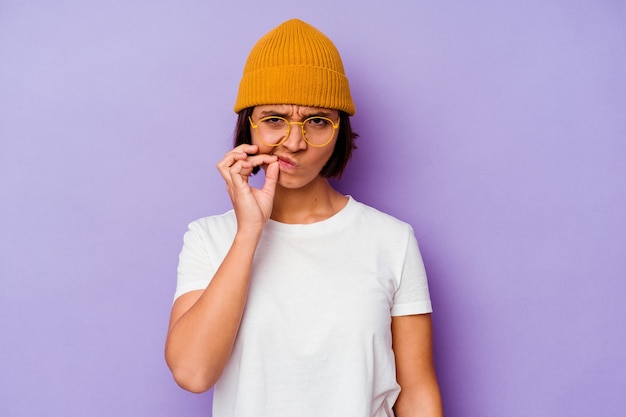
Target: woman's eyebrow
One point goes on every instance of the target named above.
(273, 113)
(312, 113)
(305, 113)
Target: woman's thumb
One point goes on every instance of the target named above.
(271, 176)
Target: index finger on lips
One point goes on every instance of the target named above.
(246, 148)
(243, 151)
(230, 158)
(261, 159)
(240, 154)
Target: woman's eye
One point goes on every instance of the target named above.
(317, 121)
(274, 121)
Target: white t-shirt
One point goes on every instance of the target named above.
(315, 339)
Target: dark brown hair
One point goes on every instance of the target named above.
(338, 160)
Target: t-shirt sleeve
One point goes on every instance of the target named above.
(196, 264)
(412, 295)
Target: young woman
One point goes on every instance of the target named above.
(300, 301)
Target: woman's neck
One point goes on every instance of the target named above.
(315, 202)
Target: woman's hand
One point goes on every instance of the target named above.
(252, 206)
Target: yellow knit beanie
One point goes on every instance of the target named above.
(295, 64)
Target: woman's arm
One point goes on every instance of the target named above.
(415, 370)
(204, 324)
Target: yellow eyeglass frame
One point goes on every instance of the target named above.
(330, 138)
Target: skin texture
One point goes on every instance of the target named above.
(204, 324)
(415, 370)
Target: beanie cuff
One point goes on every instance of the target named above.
(295, 84)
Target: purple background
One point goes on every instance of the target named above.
(497, 130)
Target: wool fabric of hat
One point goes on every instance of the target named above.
(295, 63)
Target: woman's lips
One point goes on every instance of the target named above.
(286, 163)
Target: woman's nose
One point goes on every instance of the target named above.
(295, 141)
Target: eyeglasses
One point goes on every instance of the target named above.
(317, 131)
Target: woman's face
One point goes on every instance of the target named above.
(300, 163)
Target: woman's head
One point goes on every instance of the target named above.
(297, 64)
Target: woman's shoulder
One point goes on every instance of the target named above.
(380, 219)
(215, 224)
